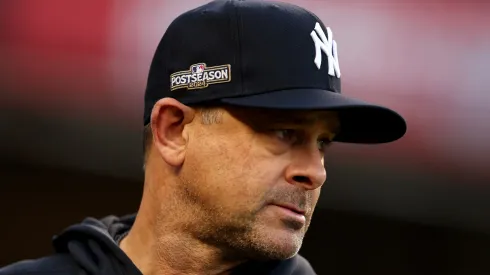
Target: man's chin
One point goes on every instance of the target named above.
(277, 245)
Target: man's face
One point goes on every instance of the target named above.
(242, 174)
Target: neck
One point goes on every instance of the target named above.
(159, 244)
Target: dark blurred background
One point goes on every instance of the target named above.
(72, 78)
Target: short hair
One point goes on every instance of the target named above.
(209, 115)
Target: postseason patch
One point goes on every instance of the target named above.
(199, 76)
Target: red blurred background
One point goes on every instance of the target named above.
(73, 74)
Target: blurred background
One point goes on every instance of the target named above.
(72, 79)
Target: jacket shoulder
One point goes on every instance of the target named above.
(59, 264)
(297, 265)
(303, 266)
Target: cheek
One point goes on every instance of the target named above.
(247, 175)
(215, 172)
(260, 174)
(234, 175)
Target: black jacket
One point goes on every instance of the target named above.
(91, 247)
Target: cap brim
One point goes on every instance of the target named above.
(360, 122)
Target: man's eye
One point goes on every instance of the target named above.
(287, 135)
(323, 144)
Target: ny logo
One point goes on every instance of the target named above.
(329, 47)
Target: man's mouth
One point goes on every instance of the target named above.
(292, 208)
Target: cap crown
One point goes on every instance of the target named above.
(237, 48)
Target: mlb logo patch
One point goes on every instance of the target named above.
(198, 68)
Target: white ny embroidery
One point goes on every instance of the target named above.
(328, 46)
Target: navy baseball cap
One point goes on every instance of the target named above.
(261, 54)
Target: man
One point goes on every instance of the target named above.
(242, 102)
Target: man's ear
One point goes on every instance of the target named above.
(168, 119)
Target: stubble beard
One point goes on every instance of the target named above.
(238, 236)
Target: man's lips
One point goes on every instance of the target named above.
(291, 207)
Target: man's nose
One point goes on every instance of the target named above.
(306, 168)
